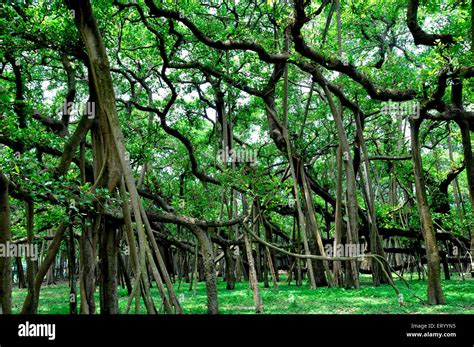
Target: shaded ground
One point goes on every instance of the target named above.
(290, 299)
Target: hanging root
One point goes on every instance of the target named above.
(377, 257)
(381, 259)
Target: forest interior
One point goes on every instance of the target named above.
(236, 156)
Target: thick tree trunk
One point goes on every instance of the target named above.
(5, 236)
(209, 270)
(87, 273)
(108, 248)
(257, 299)
(435, 293)
(376, 246)
(316, 245)
(455, 183)
(286, 144)
(469, 161)
(352, 271)
(116, 157)
(229, 268)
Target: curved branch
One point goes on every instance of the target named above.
(419, 36)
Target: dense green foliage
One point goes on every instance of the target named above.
(194, 78)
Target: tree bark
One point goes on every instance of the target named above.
(209, 271)
(116, 155)
(88, 266)
(435, 292)
(257, 299)
(338, 215)
(352, 271)
(21, 273)
(229, 268)
(108, 248)
(469, 162)
(72, 271)
(5, 236)
(317, 242)
(289, 153)
(30, 305)
(376, 246)
(30, 266)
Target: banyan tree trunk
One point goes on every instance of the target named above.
(469, 161)
(209, 270)
(229, 268)
(108, 248)
(435, 292)
(88, 266)
(5, 236)
(72, 271)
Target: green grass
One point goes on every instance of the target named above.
(290, 299)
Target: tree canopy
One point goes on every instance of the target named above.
(237, 139)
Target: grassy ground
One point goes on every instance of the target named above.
(291, 299)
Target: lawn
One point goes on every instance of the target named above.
(290, 299)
